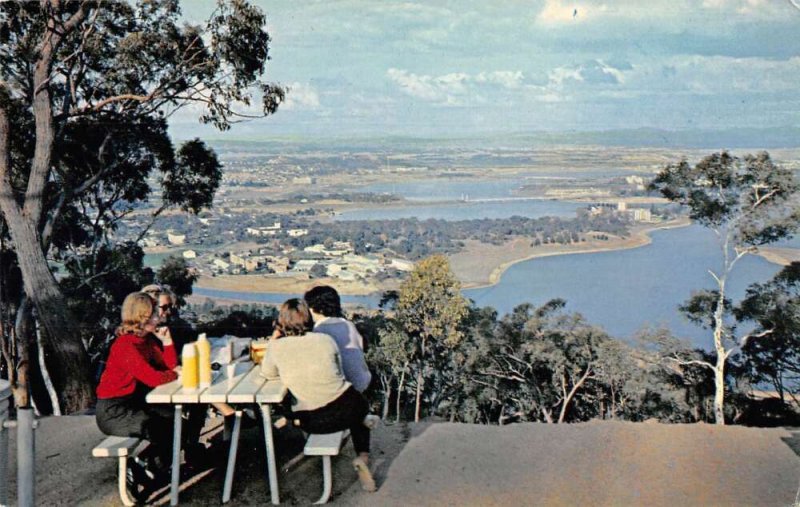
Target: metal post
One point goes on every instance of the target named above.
(176, 456)
(26, 477)
(272, 469)
(5, 400)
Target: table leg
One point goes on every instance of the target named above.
(272, 468)
(176, 456)
(226, 490)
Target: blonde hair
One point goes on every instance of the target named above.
(136, 311)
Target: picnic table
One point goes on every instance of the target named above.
(239, 384)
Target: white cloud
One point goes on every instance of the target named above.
(567, 12)
(593, 72)
(453, 88)
(507, 79)
(301, 96)
(420, 87)
(752, 8)
(563, 11)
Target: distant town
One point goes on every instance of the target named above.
(277, 217)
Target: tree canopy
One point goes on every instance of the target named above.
(86, 89)
(747, 202)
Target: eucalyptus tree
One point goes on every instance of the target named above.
(86, 88)
(775, 306)
(430, 310)
(546, 365)
(747, 202)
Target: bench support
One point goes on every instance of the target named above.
(327, 480)
(122, 474)
(120, 448)
(325, 446)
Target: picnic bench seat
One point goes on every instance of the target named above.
(325, 445)
(121, 448)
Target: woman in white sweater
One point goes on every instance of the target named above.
(310, 366)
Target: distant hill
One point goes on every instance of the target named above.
(735, 138)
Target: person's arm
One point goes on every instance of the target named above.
(169, 354)
(358, 363)
(144, 372)
(269, 369)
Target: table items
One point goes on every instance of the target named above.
(203, 360)
(229, 348)
(189, 371)
(257, 350)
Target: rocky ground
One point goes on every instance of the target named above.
(599, 463)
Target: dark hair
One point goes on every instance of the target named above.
(294, 318)
(324, 300)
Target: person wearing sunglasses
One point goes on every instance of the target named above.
(183, 332)
(142, 357)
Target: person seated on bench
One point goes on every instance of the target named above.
(183, 332)
(326, 310)
(310, 366)
(135, 365)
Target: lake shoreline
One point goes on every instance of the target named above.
(468, 265)
(638, 238)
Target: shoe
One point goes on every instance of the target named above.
(372, 421)
(364, 475)
(138, 481)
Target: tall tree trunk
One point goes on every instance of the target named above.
(387, 394)
(400, 386)
(22, 334)
(569, 396)
(66, 357)
(420, 380)
(722, 355)
(65, 353)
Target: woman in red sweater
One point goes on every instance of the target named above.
(136, 364)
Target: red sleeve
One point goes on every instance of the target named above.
(170, 356)
(142, 371)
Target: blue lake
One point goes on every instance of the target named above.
(620, 291)
(627, 289)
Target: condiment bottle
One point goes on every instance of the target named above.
(189, 370)
(204, 360)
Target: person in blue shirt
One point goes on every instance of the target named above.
(326, 310)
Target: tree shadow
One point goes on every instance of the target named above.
(793, 441)
(299, 477)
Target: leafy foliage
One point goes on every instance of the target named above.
(430, 309)
(90, 86)
(747, 202)
(775, 307)
(175, 272)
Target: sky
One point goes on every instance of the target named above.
(449, 68)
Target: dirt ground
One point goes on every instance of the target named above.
(599, 463)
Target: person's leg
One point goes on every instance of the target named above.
(158, 429)
(346, 412)
(120, 417)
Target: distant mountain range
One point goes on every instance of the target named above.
(737, 138)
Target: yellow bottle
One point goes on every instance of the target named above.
(189, 370)
(204, 360)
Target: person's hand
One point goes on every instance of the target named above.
(163, 334)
